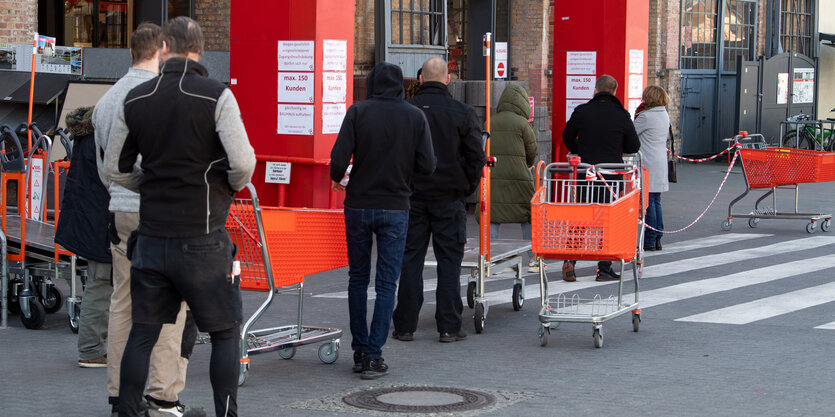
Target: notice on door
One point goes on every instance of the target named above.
(296, 55)
(803, 86)
(500, 60)
(295, 87)
(334, 55)
(782, 88)
(295, 119)
(278, 172)
(333, 87)
(332, 116)
(581, 62)
(579, 86)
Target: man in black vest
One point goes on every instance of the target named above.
(438, 207)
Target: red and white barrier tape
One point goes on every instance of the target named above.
(703, 159)
(730, 167)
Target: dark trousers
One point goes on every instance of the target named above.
(446, 223)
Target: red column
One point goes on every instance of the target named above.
(615, 31)
(257, 30)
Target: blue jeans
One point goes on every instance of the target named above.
(389, 227)
(654, 219)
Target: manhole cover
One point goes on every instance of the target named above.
(419, 399)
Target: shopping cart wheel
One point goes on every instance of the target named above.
(287, 353)
(72, 319)
(810, 228)
(636, 322)
(471, 294)
(329, 352)
(544, 333)
(753, 222)
(37, 316)
(52, 300)
(726, 225)
(478, 318)
(598, 338)
(825, 225)
(518, 299)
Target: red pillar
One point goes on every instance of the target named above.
(259, 30)
(615, 31)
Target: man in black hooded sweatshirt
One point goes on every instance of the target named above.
(389, 141)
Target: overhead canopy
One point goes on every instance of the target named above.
(827, 37)
(47, 87)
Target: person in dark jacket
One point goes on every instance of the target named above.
(438, 206)
(389, 141)
(195, 156)
(600, 131)
(82, 229)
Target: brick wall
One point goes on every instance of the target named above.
(19, 20)
(663, 60)
(364, 43)
(213, 17)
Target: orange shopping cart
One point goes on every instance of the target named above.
(594, 216)
(769, 168)
(274, 244)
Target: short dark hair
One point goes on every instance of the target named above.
(145, 42)
(606, 84)
(183, 35)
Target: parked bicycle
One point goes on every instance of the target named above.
(804, 133)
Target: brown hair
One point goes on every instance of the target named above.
(183, 35)
(655, 96)
(606, 84)
(145, 42)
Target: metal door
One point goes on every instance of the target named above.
(749, 96)
(697, 96)
(787, 89)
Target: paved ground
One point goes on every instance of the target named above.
(734, 323)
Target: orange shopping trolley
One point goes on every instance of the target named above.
(596, 216)
(274, 245)
(769, 168)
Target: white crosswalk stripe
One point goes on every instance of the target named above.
(828, 326)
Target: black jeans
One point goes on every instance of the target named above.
(446, 223)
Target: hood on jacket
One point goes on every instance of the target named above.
(515, 99)
(80, 121)
(385, 82)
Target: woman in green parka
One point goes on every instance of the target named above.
(513, 143)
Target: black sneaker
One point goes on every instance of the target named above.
(178, 409)
(607, 275)
(373, 368)
(358, 357)
(452, 337)
(403, 336)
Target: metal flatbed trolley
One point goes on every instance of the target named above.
(770, 168)
(33, 258)
(287, 236)
(592, 218)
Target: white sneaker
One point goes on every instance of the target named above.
(533, 265)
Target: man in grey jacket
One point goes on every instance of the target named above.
(170, 354)
(195, 156)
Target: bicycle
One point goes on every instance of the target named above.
(802, 135)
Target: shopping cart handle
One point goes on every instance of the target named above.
(65, 141)
(13, 164)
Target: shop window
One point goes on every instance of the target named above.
(740, 25)
(698, 34)
(417, 22)
(702, 45)
(178, 8)
(796, 26)
(102, 24)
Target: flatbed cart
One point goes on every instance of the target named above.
(770, 168)
(592, 218)
(33, 258)
(274, 246)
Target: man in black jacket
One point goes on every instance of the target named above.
(389, 141)
(438, 207)
(600, 131)
(195, 156)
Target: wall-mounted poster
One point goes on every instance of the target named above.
(277, 172)
(782, 88)
(803, 85)
(332, 115)
(570, 105)
(636, 61)
(296, 55)
(334, 87)
(579, 86)
(295, 87)
(581, 62)
(334, 55)
(295, 119)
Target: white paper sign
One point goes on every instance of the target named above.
(332, 115)
(333, 87)
(36, 188)
(295, 119)
(803, 87)
(278, 173)
(334, 55)
(579, 86)
(636, 86)
(570, 105)
(578, 62)
(500, 60)
(636, 61)
(633, 106)
(782, 88)
(295, 87)
(296, 55)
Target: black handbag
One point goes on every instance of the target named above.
(671, 159)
